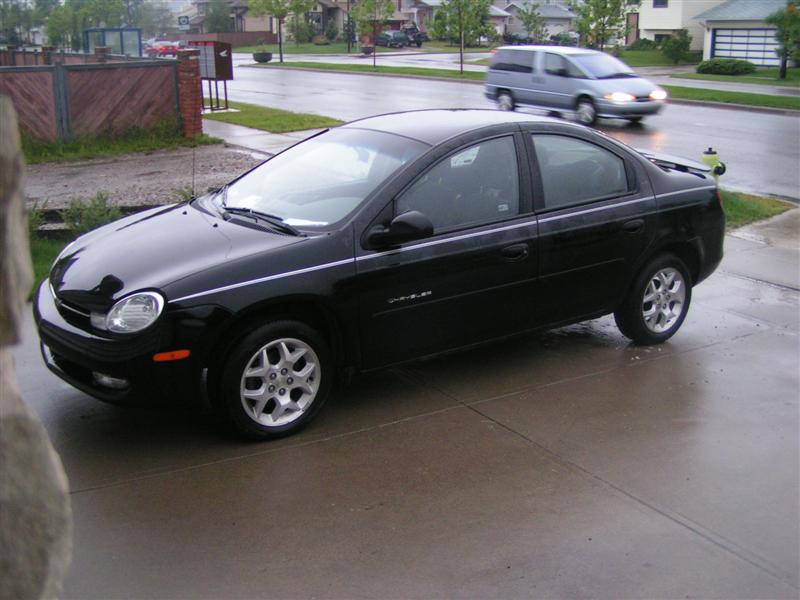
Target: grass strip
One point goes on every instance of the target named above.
(133, 140)
(761, 77)
(743, 209)
(744, 98)
(43, 253)
(273, 120)
(650, 58)
(414, 71)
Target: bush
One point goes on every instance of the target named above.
(643, 44)
(331, 32)
(80, 216)
(726, 66)
(35, 217)
(677, 47)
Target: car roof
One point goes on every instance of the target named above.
(554, 49)
(437, 125)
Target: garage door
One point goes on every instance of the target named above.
(756, 45)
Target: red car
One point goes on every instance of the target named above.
(163, 49)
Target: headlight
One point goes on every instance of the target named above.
(658, 95)
(131, 314)
(620, 97)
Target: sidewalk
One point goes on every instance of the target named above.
(254, 139)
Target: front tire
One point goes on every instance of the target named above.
(505, 101)
(657, 303)
(586, 112)
(275, 380)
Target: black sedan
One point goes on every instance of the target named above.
(391, 39)
(384, 240)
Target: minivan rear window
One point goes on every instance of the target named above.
(517, 61)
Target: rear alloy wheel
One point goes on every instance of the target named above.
(276, 380)
(658, 302)
(586, 112)
(505, 101)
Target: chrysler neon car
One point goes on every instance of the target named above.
(381, 241)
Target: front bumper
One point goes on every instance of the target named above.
(76, 355)
(628, 109)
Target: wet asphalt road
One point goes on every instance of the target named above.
(761, 150)
(565, 464)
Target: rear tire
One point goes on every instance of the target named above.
(657, 302)
(275, 380)
(505, 101)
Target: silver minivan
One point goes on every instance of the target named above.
(589, 83)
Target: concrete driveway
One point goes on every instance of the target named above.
(566, 464)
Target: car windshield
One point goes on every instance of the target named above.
(603, 66)
(320, 181)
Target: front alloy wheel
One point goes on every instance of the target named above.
(505, 101)
(275, 380)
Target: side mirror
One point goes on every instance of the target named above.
(409, 226)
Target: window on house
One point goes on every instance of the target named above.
(660, 3)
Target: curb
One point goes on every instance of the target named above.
(727, 105)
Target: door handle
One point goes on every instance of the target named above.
(515, 252)
(634, 226)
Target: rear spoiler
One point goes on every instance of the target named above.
(676, 163)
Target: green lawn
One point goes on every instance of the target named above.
(742, 209)
(649, 58)
(273, 120)
(367, 68)
(783, 102)
(43, 253)
(762, 76)
(135, 140)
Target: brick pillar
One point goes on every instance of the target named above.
(101, 53)
(47, 54)
(190, 92)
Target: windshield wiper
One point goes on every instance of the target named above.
(273, 220)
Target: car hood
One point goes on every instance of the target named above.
(638, 86)
(150, 250)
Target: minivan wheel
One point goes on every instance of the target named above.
(657, 303)
(275, 380)
(505, 101)
(586, 112)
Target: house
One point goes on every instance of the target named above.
(558, 18)
(658, 20)
(736, 29)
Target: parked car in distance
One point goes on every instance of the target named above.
(375, 243)
(588, 83)
(414, 35)
(391, 39)
(162, 49)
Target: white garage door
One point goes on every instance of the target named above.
(756, 45)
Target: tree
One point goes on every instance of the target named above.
(155, 19)
(218, 17)
(677, 47)
(533, 22)
(467, 20)
(59, 26)
(278, 9)
(787, 25)
(299, 26)
(439, 27)
(600, 20)
(369, 16)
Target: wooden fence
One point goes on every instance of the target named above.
(62, 101)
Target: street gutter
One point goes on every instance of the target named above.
(728, 105)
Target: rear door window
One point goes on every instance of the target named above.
(575, 171)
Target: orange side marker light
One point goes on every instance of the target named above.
(173, 355)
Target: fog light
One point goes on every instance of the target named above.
(110, 382)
